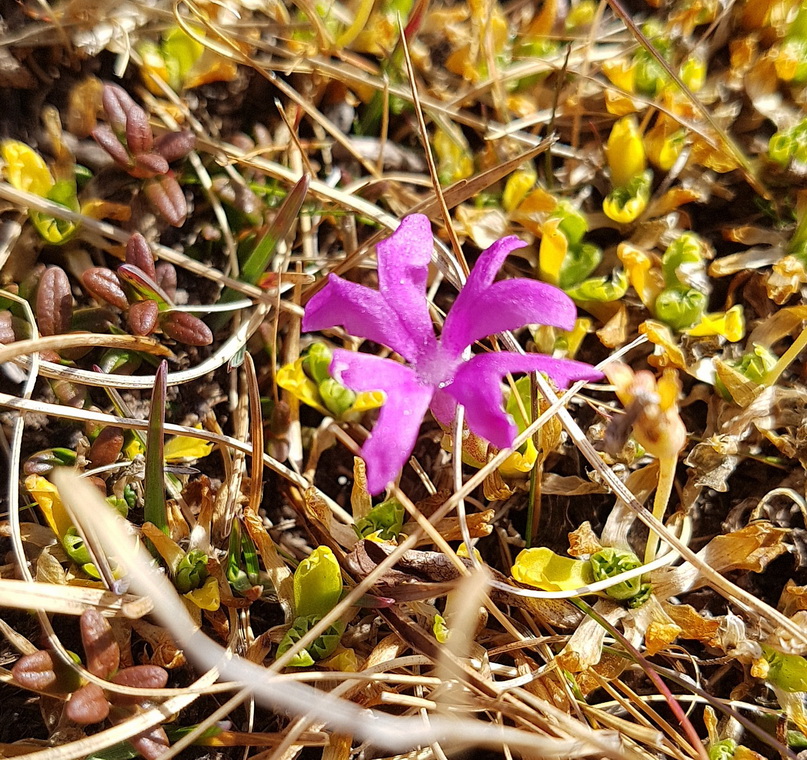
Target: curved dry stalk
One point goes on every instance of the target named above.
(69, 600)
(11, 351)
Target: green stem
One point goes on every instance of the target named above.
(788, 356)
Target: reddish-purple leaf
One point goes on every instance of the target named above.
(166, 197)
(117, 104)
(106, 447)
(108, 140)
(87, 705)
(100, 647)
(139, 254)
(139, 137)
(185, 328)
(148, 165)
(175, 145)
(35, 671)
(54, 302)
(103, 284)
(139, 677)
(6, 327)
(142, 317)
(151, 744)
(166, 278)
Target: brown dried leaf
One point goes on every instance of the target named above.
(583, 541)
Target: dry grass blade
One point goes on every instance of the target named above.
(70, 600)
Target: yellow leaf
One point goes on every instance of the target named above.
(343, 659)
(730, 324)
(47, 497)
(26, 169)
(625, 152)
(554, 246)
(182, 448)
(544, 569)
(207, 596)
(292, 378)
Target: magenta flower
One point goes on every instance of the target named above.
(440, 372)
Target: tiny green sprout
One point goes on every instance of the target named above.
(384, 521)
(337, 399)
(625, 203)
(323, 646)
(787, 672)
(316, 363)
(581, 260)
(191, 572)
(601, 289)
(243, 569)
(789, 145)
(723, 750)
(609, 562)
(680, 307)
(317, 583)
(683, 256)
(121, 505)
(440, 629)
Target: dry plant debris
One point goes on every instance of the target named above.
(289, 292)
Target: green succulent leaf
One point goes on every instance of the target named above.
(323, 646)
(385, 520)
(317, 583)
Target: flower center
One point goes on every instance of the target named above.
(438, 367)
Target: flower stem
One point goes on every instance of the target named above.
(788, 356)
(666, 478)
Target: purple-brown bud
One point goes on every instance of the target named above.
(142, 317)
(185, 328)
(54, 302)
(103, 284)
(139, 254)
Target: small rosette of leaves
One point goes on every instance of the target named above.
(383, 522)
(626, 203)
(137, 288)
(685, 297)
(566, 261)
(309, 380)
(323, 646)
(753, 367)
(609, 562)
(128, 139)
(191, 572)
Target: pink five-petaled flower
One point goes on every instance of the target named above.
(440, 373)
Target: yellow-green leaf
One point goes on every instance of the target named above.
(543, 569)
